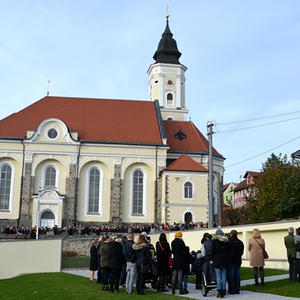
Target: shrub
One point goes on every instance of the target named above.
(69, 253)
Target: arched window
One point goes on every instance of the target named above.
(138, 192)
(5, 186)
(94, 190)
(47, 219)
(169, 99)
(50, 176)
(188, 190)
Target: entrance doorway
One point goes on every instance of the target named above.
(47, 219)
(188, 218)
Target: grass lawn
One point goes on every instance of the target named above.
(281, 287)
(75, 262)
(62, 286)
(69, 286)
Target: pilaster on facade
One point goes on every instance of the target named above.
(167, 208)
(69, 208)
(25, 219)
(158, 209)
(115, 196)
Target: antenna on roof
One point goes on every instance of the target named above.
(48, 88)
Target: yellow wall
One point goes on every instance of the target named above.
(272, 233)
(34, 256)
(178, 206)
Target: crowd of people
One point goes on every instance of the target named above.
(123, 261)
(102, 229)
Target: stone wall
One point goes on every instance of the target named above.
(79, 243)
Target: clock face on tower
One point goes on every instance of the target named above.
(170, 82)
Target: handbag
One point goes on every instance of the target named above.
(297, 246)
(170, 262)
(265, 253)
(145, 269)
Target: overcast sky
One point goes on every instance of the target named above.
(242, 58)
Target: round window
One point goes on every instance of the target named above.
(52, 133)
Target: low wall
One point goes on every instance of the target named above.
(44, 255)
(29, 256)
(272, 233)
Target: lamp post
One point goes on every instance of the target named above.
(37, 213)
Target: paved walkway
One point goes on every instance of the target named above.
(196, 294)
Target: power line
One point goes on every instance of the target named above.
(255, 126)
(255, 119)
(262, 153)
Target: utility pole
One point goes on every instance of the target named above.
(210, 176)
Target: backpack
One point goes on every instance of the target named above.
(297, 246)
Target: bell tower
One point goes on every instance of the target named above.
(167, 78)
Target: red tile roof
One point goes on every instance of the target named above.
(194, 142)
(186, 163)
(94, 119)
(241, 186)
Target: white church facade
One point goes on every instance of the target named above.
(65, 161)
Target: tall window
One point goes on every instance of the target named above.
(188, 190)
(5, 186)
(94, 190)
(50, 179)
(138, 192)
(169, 99)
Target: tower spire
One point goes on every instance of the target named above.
(167, 51)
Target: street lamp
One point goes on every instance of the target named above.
(37, 213)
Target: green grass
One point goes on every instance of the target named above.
(75, 262)
(62, 286)
(281, 287)
(69, 286)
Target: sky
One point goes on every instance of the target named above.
(242, 59)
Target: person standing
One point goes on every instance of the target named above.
(289, 243)
(116, 263)
(143, 262)
(219, 253)
(179, 251)
(93, 260)
(234, 259)
(130, 263)
(256, 246)
(163, 254)
(297, 240)
(105, 253)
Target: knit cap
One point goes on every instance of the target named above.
(178, 234)
(219, 232)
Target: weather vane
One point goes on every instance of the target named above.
(167, 15)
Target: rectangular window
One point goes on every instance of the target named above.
(138, 192)
(5, 184)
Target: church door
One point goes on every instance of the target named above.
(188, 218)
(47, 219)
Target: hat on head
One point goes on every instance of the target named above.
(144, 233)
(219, 232)
(178, 234)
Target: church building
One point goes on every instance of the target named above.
(67, 161)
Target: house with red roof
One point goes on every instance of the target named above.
(241, 190)
(67, 161)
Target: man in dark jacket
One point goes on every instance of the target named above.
(116, 262)
(234, 259)
(130, 264)
(291, 254)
